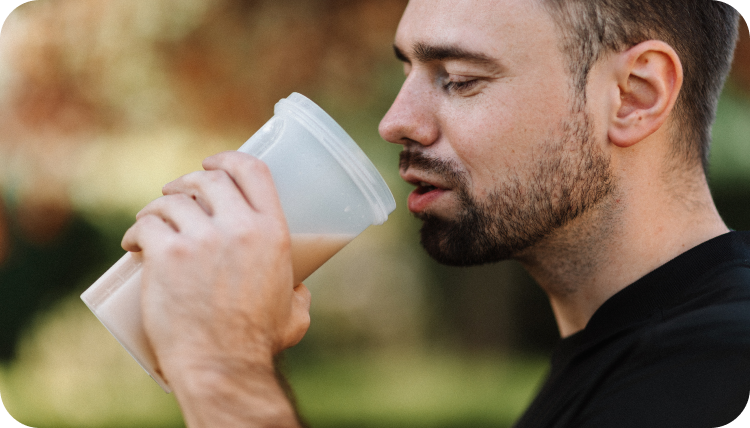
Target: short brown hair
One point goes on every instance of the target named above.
(702, 32)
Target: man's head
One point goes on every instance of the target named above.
(508, 122)
(702, 32)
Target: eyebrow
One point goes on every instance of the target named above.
(427, 53)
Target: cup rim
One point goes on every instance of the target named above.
(344, 150)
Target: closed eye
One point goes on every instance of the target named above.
(460, 86)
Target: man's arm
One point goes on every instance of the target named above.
(248, 396)
(218, 298)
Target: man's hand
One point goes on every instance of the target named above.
(218, 297)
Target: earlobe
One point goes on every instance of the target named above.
(649, 78)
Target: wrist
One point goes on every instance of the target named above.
(198, 373)
(241, 395)
(202, 359)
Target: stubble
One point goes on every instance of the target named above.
(570, 176)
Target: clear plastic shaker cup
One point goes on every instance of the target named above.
(330, 193)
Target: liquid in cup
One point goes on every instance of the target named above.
(310, 251)
(329, 190)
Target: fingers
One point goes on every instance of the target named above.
(299, 321)
(229, 179)
(146, 233)
(302, 301)
(214, 191)
(233, 188)
(251, 176)
(179, 211)
(175, 212)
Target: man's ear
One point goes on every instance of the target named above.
(649, 77)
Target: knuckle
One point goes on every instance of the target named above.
(256, 224)
(259, 166)
(148, 220)
(178, 249)
(304, 322)
(248, 166)
(185, 181)
(248, 234)
(197, 181)
(207, 237)
(306, 296)
(278, 229)
(191, 244)
(179, 199)
(149, 209)
(299, 328)
(278, 233)
(215, 176)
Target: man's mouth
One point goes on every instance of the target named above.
(423, 187)
(433, 178)
(424, 195)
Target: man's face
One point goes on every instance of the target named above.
(499, 151)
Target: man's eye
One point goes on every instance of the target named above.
(460, 85)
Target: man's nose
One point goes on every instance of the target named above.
(412, 117)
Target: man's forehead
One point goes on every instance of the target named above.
(478, 25)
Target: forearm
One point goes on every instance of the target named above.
(248, 396)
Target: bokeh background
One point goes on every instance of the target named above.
(104, 101)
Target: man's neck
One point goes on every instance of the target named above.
(628, 235)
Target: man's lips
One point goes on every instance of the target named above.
(421, 198)
(423, 179)
(426, 192)
(433, 177)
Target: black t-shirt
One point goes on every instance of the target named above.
(670, 350)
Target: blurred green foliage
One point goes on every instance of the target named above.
(428, 388)
(35, 276)
(730, 158)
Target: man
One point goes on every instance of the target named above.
(569, 135)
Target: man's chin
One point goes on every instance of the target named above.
(459, 243)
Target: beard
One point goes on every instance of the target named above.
(572, 176)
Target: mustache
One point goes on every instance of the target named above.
(414, 159)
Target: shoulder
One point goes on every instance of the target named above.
(690, 368)
(709, 329)
(718, 316)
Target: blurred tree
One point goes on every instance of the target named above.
(245, 55)
(220, 63)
